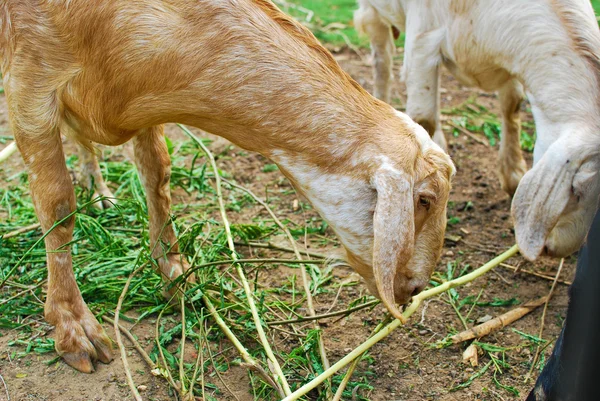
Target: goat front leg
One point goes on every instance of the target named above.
(79, 338)
(421, 73)
(511, 165)
(368, 20)
(154, 168)
(91, 178)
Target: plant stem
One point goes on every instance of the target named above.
(416, 302)
(130, 382)
(305, 280)
(326, 315)
(277, 372)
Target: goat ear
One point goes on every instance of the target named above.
(394, 231)
(543, 195)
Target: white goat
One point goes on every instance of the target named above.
(551, 47)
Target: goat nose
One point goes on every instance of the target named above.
(417, 287)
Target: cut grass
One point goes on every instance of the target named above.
(108, 245)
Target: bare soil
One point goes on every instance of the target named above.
(404, 366)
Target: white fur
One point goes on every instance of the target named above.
(493, 44)
(345, 203)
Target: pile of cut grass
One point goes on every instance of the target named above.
(109, 245)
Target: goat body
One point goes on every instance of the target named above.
(108, 71)
(550, 49)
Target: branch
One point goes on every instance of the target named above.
(416, 302)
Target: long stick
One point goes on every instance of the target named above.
(8, 151)
(132, 386)
(277, 372)
(550, 293)
(305, 280)
(325, 315)
(416, 302)
(21, 230)
(498, 322)
(135, 343)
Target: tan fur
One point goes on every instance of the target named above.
(107, 71)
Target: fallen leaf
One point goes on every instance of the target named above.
(470, 355)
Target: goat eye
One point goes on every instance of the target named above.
(425, 202)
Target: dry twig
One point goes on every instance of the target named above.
(469, 134)
(132, 386)
(5, 388)
(550, 293)
(304, 273)
(8, 151)
(540, 275)
(21, 231)
(276, 368)
(416, 302)
(498, 322)
(135, 343)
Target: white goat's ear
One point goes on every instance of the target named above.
(394, 231)
(543, 194)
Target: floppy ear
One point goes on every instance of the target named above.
(543, 194)
(394, 231)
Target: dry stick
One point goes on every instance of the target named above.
(132, 386)
(325, 315)
(251, 363)
(17, 295)
(469, 134)
(167, 372)
(537, 352)
(305, 280)
(135, 343)
(199, 357)
(270, 245)
(416, 302)
(21, 230)
(499, 322)
(182, 346)
(8, 151)
(5, 388)
(352, 367)
(278, 373)
(517, 270)
(212, 361)
(242, 261)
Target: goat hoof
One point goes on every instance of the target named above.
(510, 178)
(80, 361)
(103, 349)
(81, 342)
(172, 267)
(104, 204)
(99, 349)
(440, 139)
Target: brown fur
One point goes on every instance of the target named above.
(107, 71)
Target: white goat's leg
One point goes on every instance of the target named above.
(421, 73)
(511, 165)
(368, 21)
(423, 103)
(154, 168)
(91, 178)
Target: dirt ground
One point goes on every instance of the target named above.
(404, 366)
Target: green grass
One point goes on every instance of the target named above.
(109, 245)
(331, 21)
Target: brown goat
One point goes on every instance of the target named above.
(108, 71)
